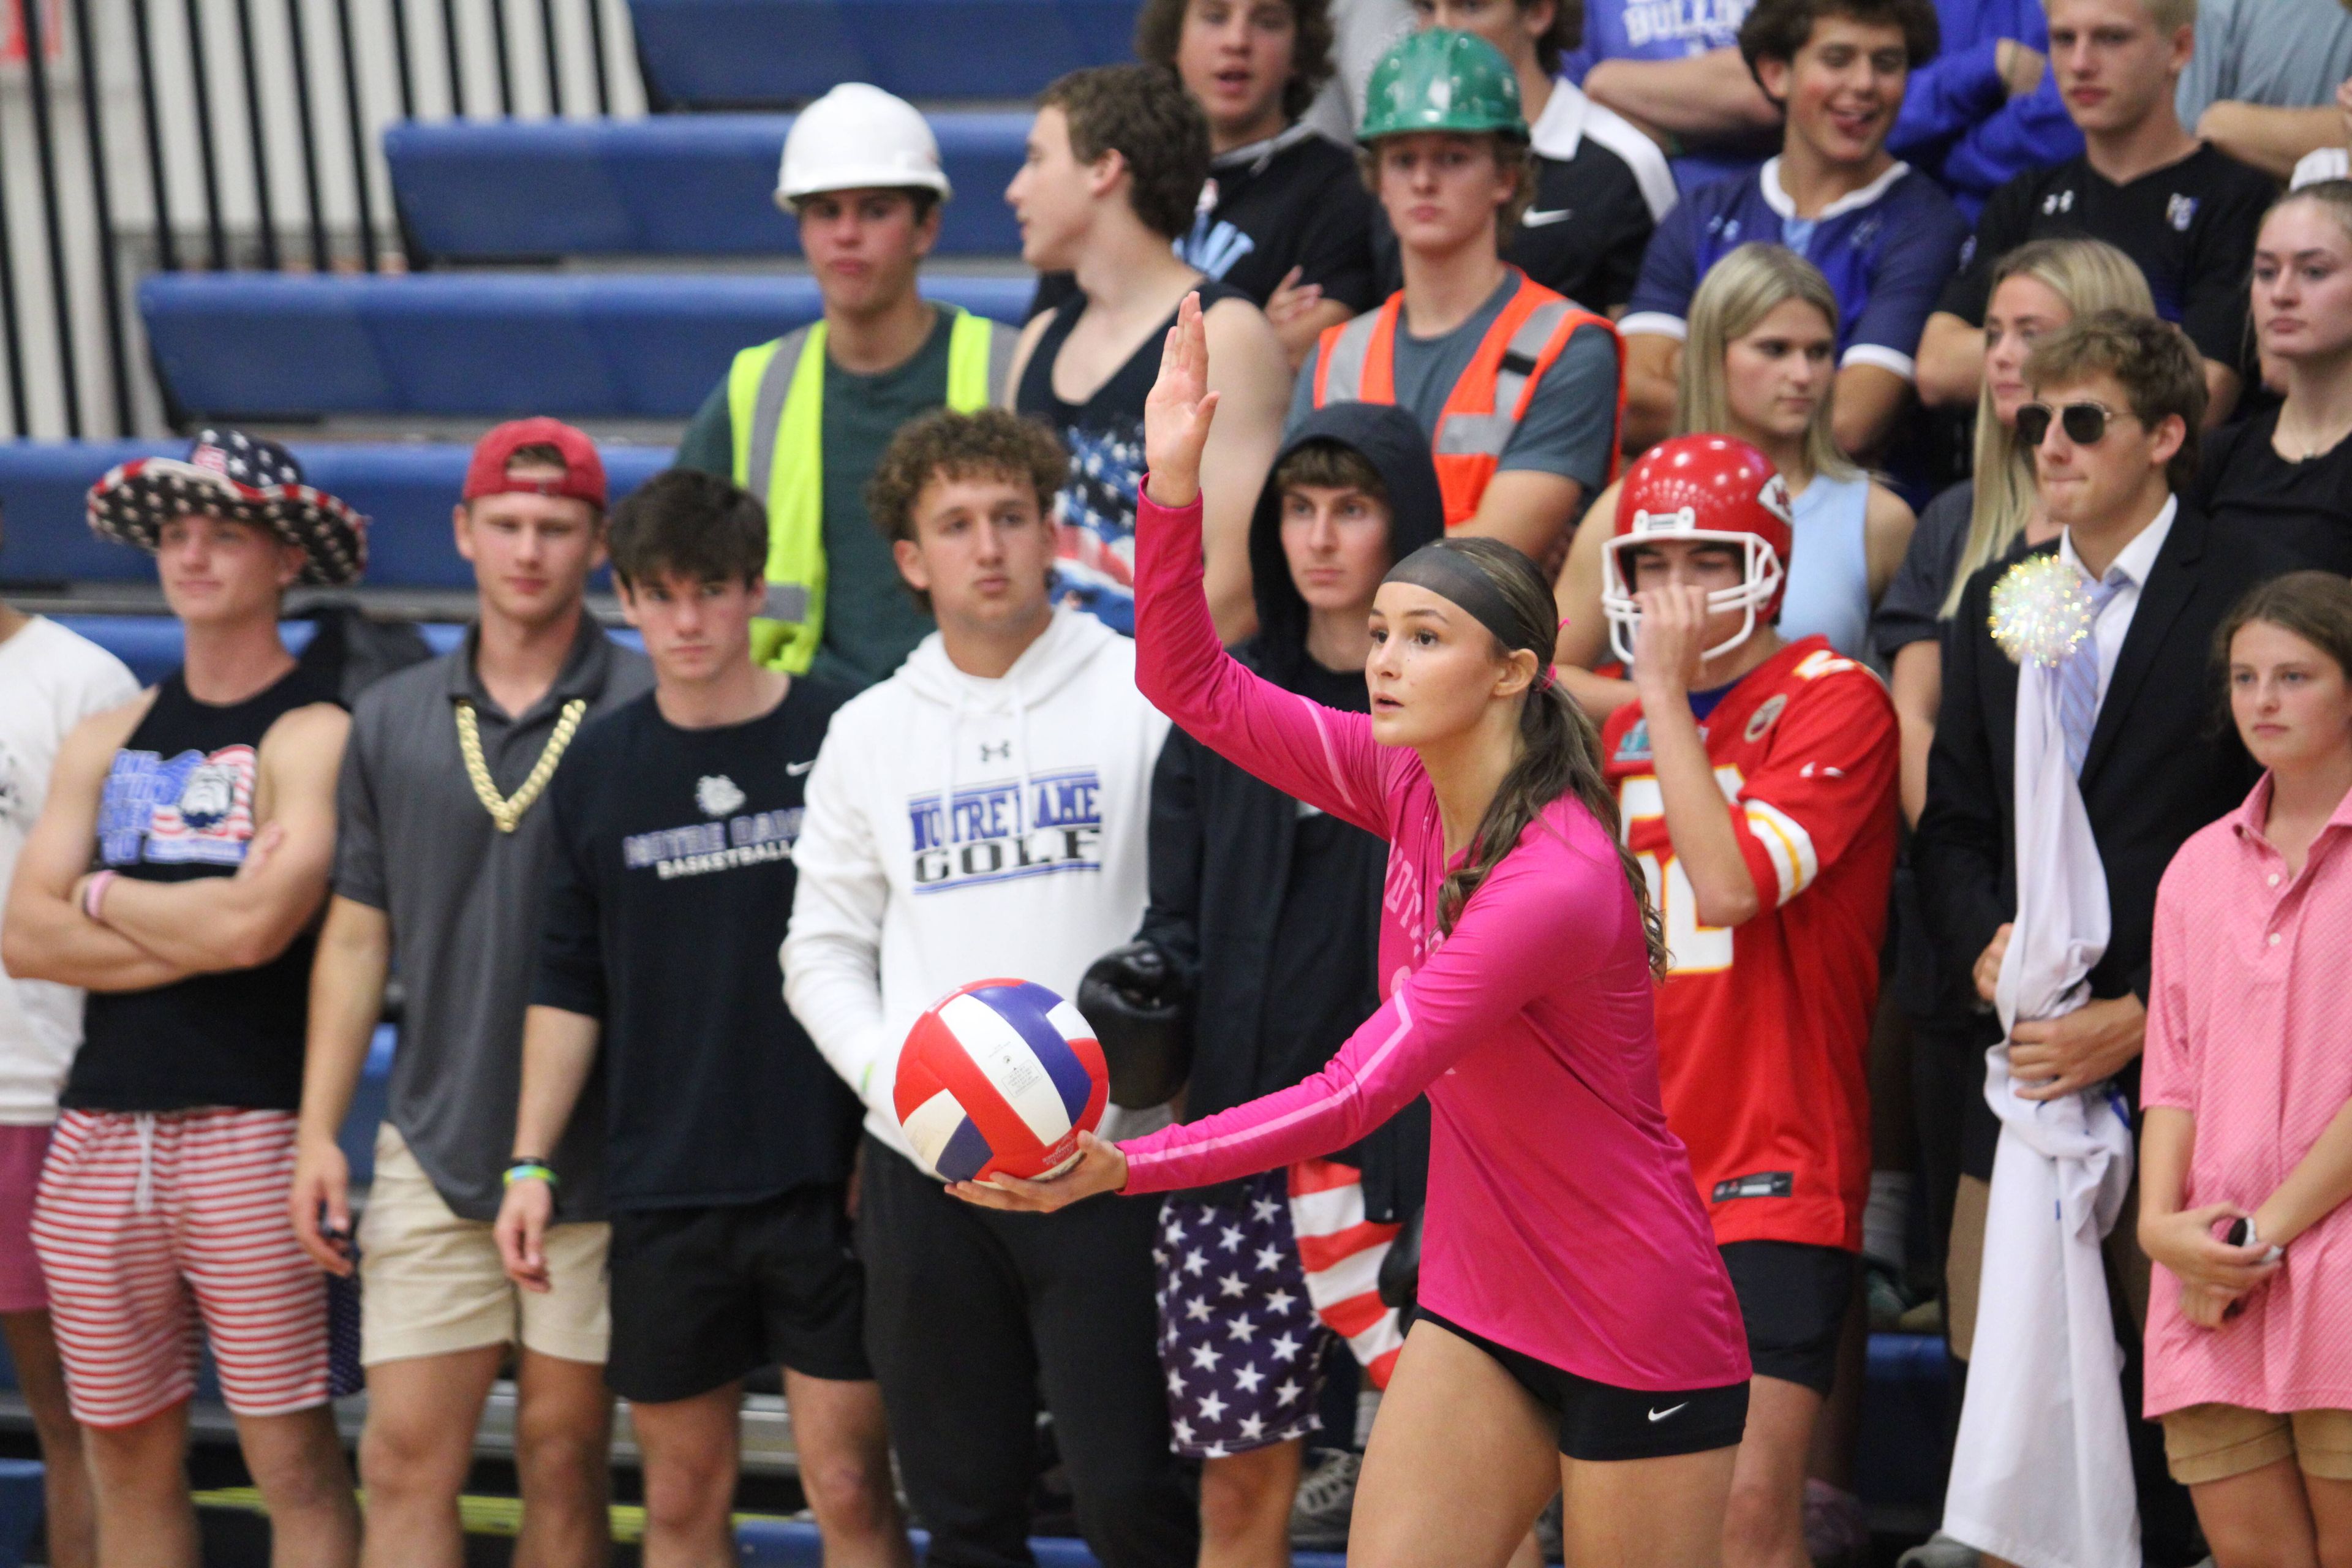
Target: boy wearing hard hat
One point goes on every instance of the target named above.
(800, 422)
(1517, 387)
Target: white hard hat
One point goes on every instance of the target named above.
(857, 137)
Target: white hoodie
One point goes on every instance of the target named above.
(1036, 868)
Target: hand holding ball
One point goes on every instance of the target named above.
(999, 1079)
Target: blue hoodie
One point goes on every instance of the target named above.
(1958, 123)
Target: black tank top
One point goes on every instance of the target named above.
(1104, 436)
(177, 806)
(1119, 399)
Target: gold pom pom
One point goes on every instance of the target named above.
(2042, 610)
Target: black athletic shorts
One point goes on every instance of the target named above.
(1795, 1299)
(1602, 1421)
(702, 1296)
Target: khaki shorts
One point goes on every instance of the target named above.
(431, 1283)
(2213, 1442)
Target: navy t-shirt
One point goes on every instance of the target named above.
(667, 897)
(1887, 252)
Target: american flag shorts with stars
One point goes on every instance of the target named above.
(1240, 1346)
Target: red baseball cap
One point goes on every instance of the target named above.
(583, 470)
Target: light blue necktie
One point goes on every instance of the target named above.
(2078, 677)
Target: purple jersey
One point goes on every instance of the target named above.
(1887, 250)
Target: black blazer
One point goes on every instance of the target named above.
(2164, 759)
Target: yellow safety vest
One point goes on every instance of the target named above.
(775, 406)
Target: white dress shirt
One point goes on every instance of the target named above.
(2134, 560)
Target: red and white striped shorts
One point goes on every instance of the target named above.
(159, 1231)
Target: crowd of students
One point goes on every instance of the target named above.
(1639, 483)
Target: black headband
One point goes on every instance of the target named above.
(1451, 575)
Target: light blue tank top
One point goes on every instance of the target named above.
(1829, 580)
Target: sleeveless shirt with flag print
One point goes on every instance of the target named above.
(1764, 1029)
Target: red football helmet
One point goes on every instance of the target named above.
(1710, 489)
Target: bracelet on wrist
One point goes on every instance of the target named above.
(93, 895)
(530, 1171)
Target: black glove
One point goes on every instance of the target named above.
(1142, 1012)
(1399, 1282)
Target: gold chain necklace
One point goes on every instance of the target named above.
(506, 811)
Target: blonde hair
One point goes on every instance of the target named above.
(1738, 291)
(2089, 275)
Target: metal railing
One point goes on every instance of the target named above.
(217, 135)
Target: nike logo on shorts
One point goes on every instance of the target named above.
(1662, 1415)
(795, 770)
(1544, 217)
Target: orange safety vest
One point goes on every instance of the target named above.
(1358, 364)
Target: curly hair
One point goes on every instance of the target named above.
(1142, 113)
(1777, 29)
(994, 443)
(1160, 28)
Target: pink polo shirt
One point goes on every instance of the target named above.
(2250, 1031)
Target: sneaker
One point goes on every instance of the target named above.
(1326, 1495)
(1836, 1531)
(1888, 1297)
(1939, 1551)
(1927, 1317)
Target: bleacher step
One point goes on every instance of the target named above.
(677, 184)
(406, 491)
(258, 345)
(737, 54)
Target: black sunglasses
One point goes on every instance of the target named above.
(2085, 423)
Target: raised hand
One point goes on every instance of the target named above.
(1176, 415)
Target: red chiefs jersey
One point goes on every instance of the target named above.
(1764, 1029)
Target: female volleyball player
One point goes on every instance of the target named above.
(1577, 1330)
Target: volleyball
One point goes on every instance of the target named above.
(999, 1078)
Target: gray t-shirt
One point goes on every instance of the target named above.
(1912, 608)
(2285, 54)
(1569, 425)
(465, 901)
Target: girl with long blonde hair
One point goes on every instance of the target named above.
(1760, 365)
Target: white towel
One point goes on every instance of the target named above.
(2042, 1468)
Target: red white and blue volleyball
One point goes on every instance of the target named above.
(999, 1078)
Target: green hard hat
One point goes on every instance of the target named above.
(1442, 79)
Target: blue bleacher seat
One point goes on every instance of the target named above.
(1906, 1396)
(614, 346)
(685, 185)
(407, 491)
(20, 1508)
(750, 53)
(152, 645)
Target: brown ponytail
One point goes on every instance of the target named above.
(1559, 753)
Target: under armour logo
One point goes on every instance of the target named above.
(2057, 202)
(999, 753)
